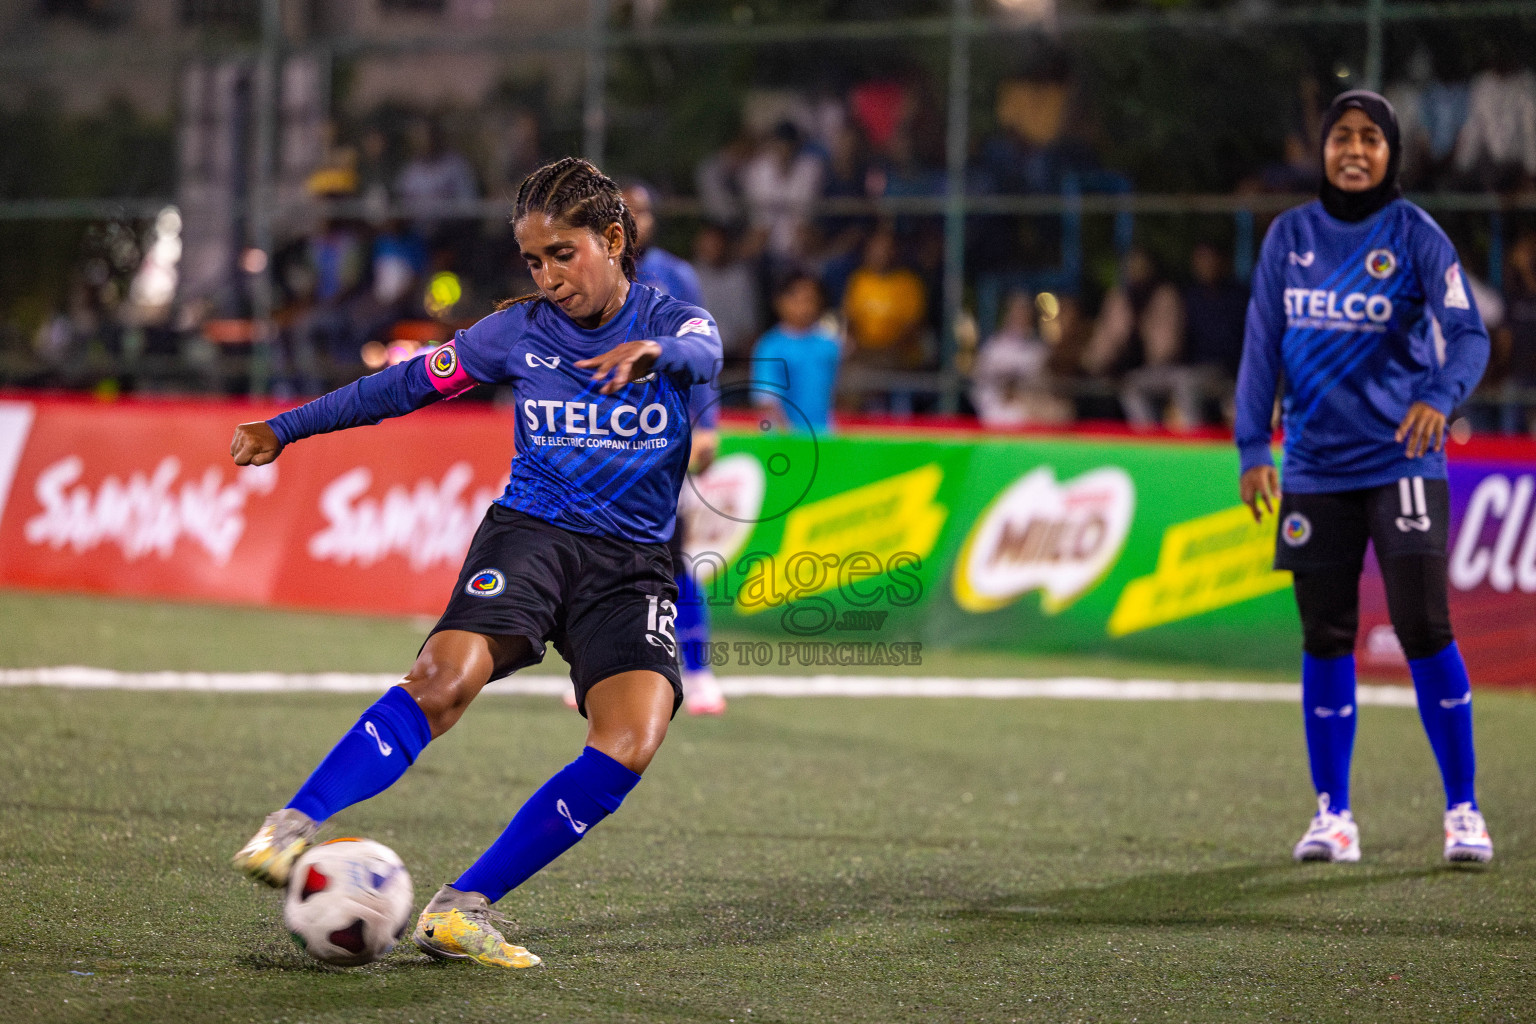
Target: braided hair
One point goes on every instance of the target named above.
(575, 192)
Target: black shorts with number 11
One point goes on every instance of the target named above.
(608, 605)
(1409, 516)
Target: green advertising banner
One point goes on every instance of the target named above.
(855, 548)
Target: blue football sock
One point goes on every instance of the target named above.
(1328, 703)
(369, 758)
(577, 797)
(1445, 708)
(692, 623)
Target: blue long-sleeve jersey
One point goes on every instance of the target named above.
(1360, 320)
(587, 462)
(674, 276)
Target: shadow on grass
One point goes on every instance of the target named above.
(1238, 897)
(1242, 896)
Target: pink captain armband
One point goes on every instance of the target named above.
(447, 373)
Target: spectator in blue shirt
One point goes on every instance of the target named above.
(794, 366)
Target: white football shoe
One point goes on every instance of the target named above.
(1466, 836)
(702, 694)
(1331, 836)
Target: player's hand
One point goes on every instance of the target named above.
(255, 444)
(1261, 483)
(623, 365)
(1422, 424)
(706, 445)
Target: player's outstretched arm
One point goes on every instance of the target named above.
(255, 444)
(400, 389)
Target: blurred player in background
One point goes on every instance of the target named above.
(1360, 307)
(574, 551)
(673, 276)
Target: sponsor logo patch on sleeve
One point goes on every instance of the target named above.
(1455, 289)
(697, 325)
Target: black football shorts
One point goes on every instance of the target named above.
(608, 605)
(1409, 516)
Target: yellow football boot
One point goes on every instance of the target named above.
(462, 926)
(270, 854)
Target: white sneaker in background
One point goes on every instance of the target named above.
(1466, 836)
(1331, 836)
(702, 694)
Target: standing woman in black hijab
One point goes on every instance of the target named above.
(1360, 308)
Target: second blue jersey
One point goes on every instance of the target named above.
(1359, 321)
(585, 461)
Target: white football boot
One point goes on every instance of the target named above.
(1466, 836)
(1330, 836)
(702, 694)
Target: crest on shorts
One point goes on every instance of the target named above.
(1296, 530)
(443, 362)
(1380, 263)
(486, 583)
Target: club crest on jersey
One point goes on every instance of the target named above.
(697, 325)
(1380, 263)
(486, 583)
(443, 362)
(1296, 530)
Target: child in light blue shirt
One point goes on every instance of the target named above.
(794, 364)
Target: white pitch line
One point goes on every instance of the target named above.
(82, 678)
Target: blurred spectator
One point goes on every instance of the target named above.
(780, 186)
(1430, 114)
(885, 306)
(1137, 336)
(1010, 383)
(397, 275)
(1215, 307)
(718, 180)
(1497, 146)
(374, 169)
(1298, 169)
(433, 174)
(794, 365)
(515, 149)
(728, 287)
(1518, 334)
(842, 234)
(64, 337)
(879, 109)
(1032, 151)
(656, 267)
(336, 261)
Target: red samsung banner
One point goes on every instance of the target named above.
(142, 499)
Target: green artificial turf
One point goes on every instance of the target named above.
(135, 636)
(797, 860)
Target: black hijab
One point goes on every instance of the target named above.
(1356, 206)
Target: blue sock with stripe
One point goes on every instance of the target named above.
(553, 820)
(1445, 708)
(369, 758)
(1328, 704)
(692, 623)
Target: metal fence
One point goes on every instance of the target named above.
(957, 42)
